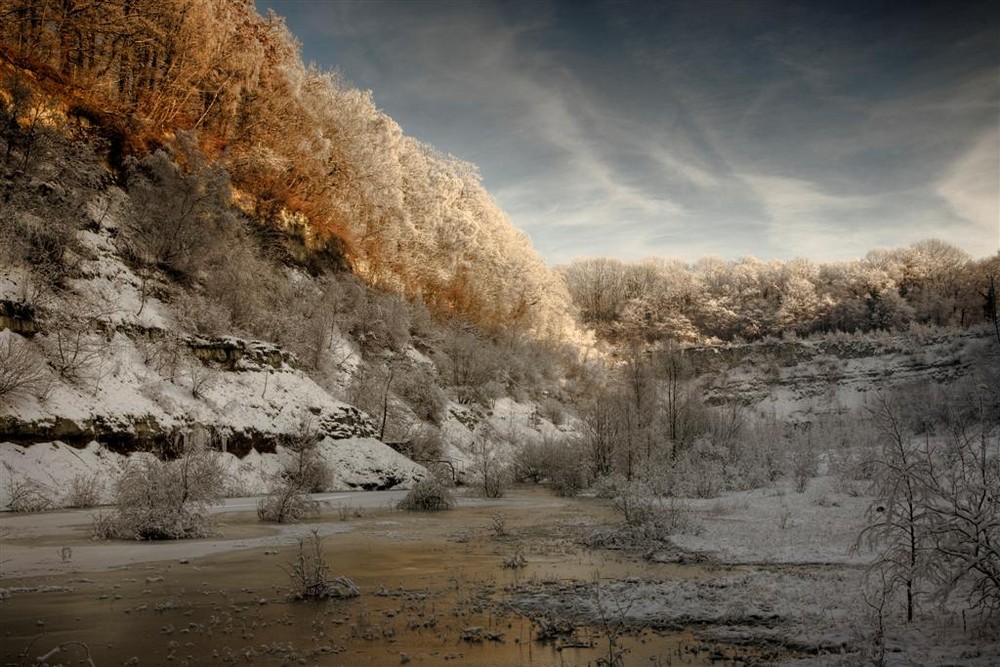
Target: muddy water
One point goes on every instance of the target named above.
(433, 591)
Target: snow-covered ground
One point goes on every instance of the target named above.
(774, 568)
(357, 463)
(776, 525)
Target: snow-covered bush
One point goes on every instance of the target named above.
(415, 385)
(286, 502)
(552, 410)
(306, 470)
(803, 465)
(561, 462)
(164, 500)
(648, 517)
(489, 474)
(84, 491)
(700, 471)
(852, 474)
(180, 217)
(27, 495)
(429, 494)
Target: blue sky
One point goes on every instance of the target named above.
(685, 129)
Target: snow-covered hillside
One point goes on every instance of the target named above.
(134, 379)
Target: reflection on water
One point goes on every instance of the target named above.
(432, 593)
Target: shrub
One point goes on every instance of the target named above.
(164, 500)
(700, 470)
(649, 518)
(429, 494)
(22, 370)
(804, 465)
(27, 495)
(286, 502)
(425, 443)
(84, 491)
(489, 473)
(415, 385)
(553, 410)
(532, 460)
(307, 470)
(570, 478)
(310, 574)
(562, 462)
(180, 219)
(851, 475)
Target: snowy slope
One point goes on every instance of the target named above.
(133, 379)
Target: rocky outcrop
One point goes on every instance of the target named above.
(125, 434)
(19, 317)
(799, 380)
(234, 354)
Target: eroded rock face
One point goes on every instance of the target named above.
(125, 434)
(236, 354)
(799, 380)
(19, 317)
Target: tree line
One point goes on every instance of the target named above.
(929, 283)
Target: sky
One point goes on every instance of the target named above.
(684, 129)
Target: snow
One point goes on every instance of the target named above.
(354, 463)
(368, 463)
(778, 525)
(54, 466)
(773, 568)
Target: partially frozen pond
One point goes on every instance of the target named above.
(435, 590)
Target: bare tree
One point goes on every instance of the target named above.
(897, 519)
(936, 516)
(489, 470)
(22, 370)
(961, 482)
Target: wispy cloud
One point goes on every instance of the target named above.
(684, 129)
(971, 187)
(804, 220)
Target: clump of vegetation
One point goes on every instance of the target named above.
(490, 473)
(499, 526)
(429, 494)
(305, 472)
(164, 500)
(22, 370)
(286, 503)
(310, 574)
(27, 496)
(561, 462)
(515, 561)
(647, 516)
(84, 491)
